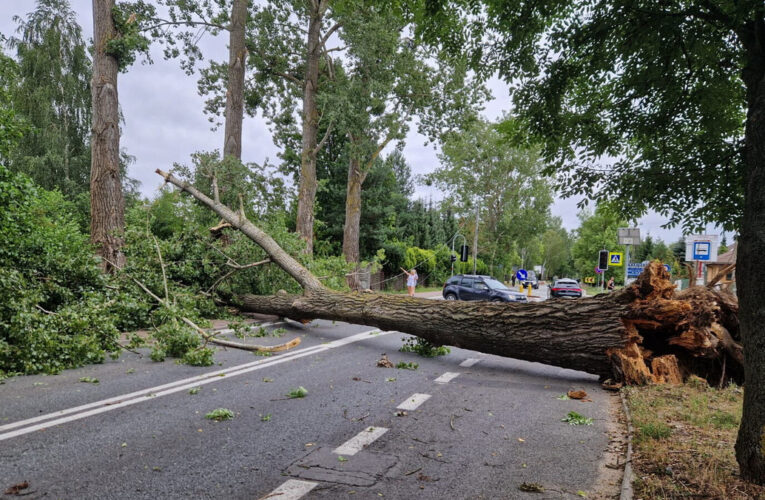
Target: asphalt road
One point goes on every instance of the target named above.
(476, 431)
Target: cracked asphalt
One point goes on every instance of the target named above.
(480, 435)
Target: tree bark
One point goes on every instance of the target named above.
(645, 333)
(750, 445)
(353, 220)
(237, 59)
(307, 188)
(107, 204)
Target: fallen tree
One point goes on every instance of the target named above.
(645, 333)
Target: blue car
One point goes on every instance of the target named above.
(479, 287)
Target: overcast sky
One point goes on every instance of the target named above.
(164, 122)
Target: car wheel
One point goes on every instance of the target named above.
(450, 296)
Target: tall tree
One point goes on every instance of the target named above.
(12, 128)
(480, 167)
(107, 205)
(597, 231)
(388, 81)
(675, 91)
(237, 60)
(53, 97)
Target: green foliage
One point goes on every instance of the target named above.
(574, 418)
(12, 128)
(423, 347)
(194, 390)
(199, 357)
(596, 232)
(220, 414)
(89, 380)
(299, 392)
(52, 98)
(401, 365)
(54, 306)
(130, 40)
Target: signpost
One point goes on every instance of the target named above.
(701, 248)
(628, 236)
(521, 274)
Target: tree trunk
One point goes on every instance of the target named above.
(643, 333)
(750, 445)
(353, 220)
(307, 189)
(237, 58)
(107, 205)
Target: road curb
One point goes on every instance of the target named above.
(626, 491)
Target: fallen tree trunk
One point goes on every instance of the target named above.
(644, 333)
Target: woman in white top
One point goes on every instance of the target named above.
(411, 280)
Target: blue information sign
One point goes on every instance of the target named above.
(521, 274)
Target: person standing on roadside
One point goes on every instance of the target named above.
(411, 280)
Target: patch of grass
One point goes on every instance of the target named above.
(89, 380)
(220, 414)
(407, 366)
(265, 418)
(300, 392)
(653, 430)
(574, 418)
(423, 347)
(698, 460)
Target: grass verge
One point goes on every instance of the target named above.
(683, 442)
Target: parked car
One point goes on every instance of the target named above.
(479, 287)
(564, 287)
(531, 279)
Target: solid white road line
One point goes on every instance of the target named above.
(470, 362)
(132, 398)
(360, 440)
(291, 490)
(413, 401)
(446, 377)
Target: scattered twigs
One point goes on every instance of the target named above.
(38, 306)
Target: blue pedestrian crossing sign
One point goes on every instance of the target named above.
(615, 258)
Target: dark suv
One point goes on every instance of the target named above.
(478, 287)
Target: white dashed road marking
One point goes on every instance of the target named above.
(360, 440)
(469, 362)
(413, 401)
(291, 490)
(446, 377)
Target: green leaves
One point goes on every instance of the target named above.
(574, 418)
(299, 392)
(220, 414)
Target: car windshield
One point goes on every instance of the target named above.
(531, 275)
(566, 284)
(495, 285)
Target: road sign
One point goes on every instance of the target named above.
(702, 250)
(615, 258)
(668, 268)
(635, 268)
(701, 247)
(521, 274)
(629, 235)
(598, 270)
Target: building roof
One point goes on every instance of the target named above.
(728, 257)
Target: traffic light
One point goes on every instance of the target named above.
(464, 253)
(603, 260)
